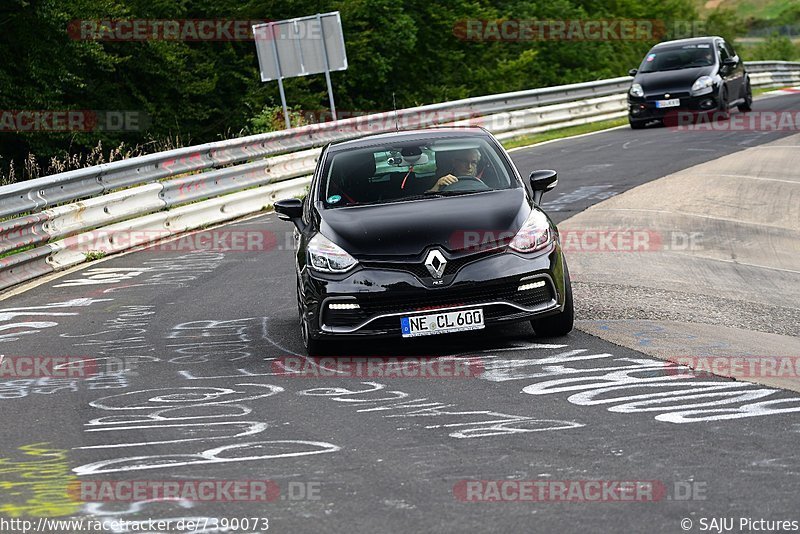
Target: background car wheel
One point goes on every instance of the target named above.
(636, 125)
(562, 323)
(748, 100)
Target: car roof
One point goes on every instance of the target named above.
(410, 135)
(689, 41)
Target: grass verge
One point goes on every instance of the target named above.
(569, 131)
(761, 90)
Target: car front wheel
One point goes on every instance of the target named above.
(636, 124)
(747, 105)
(723, 111)
(560, 324)
(314, 347)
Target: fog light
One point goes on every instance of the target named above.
(343, 306)
(532, 285)
(707, 103)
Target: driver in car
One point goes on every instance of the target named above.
(462, 163)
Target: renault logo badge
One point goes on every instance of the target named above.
(435, 263)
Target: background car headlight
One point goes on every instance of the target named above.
(703, 85)
(328, 257)
(636, 90)
(534, 235)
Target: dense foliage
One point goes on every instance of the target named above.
(203, 91)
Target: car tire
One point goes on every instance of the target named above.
(314, 347)
(636, 125)
(748, 99)
(560, 324)
(723, 112)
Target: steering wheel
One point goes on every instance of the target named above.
(469, 181)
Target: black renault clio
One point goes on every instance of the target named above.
(421, 233)
(699, 75)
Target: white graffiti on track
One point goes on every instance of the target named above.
(167, 412)
(15, 389)
(247, 452)
(121, 341)
(14, 330)
(200, 341)
(181, 416)
(639, 385)
(464, 424)
(106, 512)
(176, 272)
(102, 275)
(586, 192)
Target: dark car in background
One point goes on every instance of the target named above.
(384, 251)
(698, 75)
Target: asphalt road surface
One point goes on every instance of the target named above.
(195, 350)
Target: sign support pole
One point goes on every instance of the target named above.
(327, 67)
(280, 75)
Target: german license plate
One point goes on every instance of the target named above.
(441, 323)
(674, 102)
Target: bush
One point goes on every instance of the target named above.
(775, 47)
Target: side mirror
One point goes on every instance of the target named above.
(542, 181)
(633, 72)
(729, 62)
(290, 209)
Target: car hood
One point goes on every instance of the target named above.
(671, 81)
(407, 229)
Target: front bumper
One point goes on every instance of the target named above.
(641, 109)
(385, 294)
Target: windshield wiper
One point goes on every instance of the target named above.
(421, 196)
(456, 193)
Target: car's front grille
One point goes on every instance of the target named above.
(418, 269)
(458, 295)
(660, 96)
(421, 300)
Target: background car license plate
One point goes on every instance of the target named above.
(440, 323)
(668, 103)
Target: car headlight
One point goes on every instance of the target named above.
(636, 90)
(703, 85)
(534, 235)
(328, 257)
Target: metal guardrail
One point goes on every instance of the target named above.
(248, 173)
(771, 66)
(82, 183)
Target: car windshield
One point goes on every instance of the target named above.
(684, 57)
(401, 171)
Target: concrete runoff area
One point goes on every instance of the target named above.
(699, 266)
